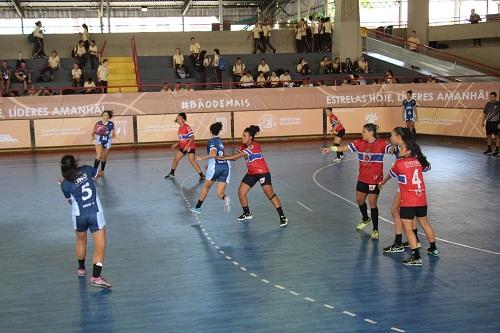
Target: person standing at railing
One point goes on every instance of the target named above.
(85, 36)
(413, 42)
(266, 29)
(93, 54)
(76, 76)
(257, 32)
(327, 27)
(491, 122)
(38, 45)
(194, 49)
(102, 75)
(474, 19)
(218, 65)
(6, 79)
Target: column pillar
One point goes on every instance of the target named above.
(418, 19)
(346, 30)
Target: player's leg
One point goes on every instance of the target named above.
(361, 195)
(336, 143)
(242, 195)
(196, 166)
(203, 195)
(429, 232)
(81, 251)
(104, 157)
(407, 220)
(98, 152)
(489, 139)
(97, 280)
(269, 192)
(397, 246)
(372, 200)
(175, 162)
(497, 139)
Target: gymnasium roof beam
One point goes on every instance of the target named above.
(17, 7)
(185, 7)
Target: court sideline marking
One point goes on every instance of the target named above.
(383, 218)
(278, 286)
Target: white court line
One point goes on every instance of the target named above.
(244, 269)
(221, 252)
(309, 299)
(253, 275)
(383, 218)
(235, 263)
(279, 287)
(228, 258)
(294, 293)
(398, 329)
(305, 207)
(370, 321)
(349, 313)
(265, 281)
(328, 306)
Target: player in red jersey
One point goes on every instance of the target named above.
(338, 132)
(185, 146)
(398, 136)
(371, 151)
(258, 171)
(409, 171)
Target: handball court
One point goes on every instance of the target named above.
(175, 272)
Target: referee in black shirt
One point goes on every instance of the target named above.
(491, 122)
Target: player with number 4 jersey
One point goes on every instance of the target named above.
(78, 187)
(409, 172)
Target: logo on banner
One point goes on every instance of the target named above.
(371, 118)
(7, 138)
(121, 127)
(267, 122)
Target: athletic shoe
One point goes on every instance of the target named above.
(375, 235)
(394, 248)
(495, 153)
(170, 175)
(487, 152)
(434, 252)
(406, 244)
(202, 179)
(411, 261)
(336, 160)
(99, 282)
(196, 211)
(283, 221)
(100, 173)
(81, 272)
(227, 204)
(244, 217)
(363, 224)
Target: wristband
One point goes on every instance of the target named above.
(334, 148)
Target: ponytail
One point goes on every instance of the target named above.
(215, 128)
(405, 133)
(252, 130)
(417, 152)
(370, 127)
(69, 167)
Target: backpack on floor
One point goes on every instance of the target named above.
(198, 64)
(222, 64)
(45, 77)
(31, 38)
(181, 72)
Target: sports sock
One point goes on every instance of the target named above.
(246, 210)
(198, 205)
(399, 239)
(103, 165)
(81, 263)
(415, 231)
(96, 272)
(280, 211)
(96, 163)
(374, 215)
(364, 211)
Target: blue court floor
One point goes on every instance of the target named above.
(174, 272)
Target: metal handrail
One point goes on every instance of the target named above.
(136, 63)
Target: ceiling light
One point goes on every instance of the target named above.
(144, 9)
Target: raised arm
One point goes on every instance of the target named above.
(213, 154)
(233, 157)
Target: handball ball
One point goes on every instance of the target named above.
(101, 129)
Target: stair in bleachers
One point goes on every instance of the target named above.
(122, 73)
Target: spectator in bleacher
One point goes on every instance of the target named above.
(303, 67)
(165, 87)
(474, 18)
(305, 41)
(89, 86)
(389, 77)
(413, 42)
(347, 66)
(307, 82)
(321, 39)
(178, 86)
(93, 54)
(286, 79)
(345, 82)
(194, 49)
(321, 83)
(247, 80)
(206, 61)
(257, 33)
(239, 69)
(261, 80)
(23, 75)
(38, 43)
(188, 86)
(45, 91)
(102, 75)
(80, 53)
(218, 67)
(53, 64)
(32, 91)
(298, 36)
(85, 36)
(362, 65)
(76, 76)
(264, 68)
(6, 78)
(337, 65)
(266, 29)
(274, 80)
(177, 59)
(327, 35)
(314, 34)
(325, 66)
(431, 79)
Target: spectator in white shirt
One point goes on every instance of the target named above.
(80, 53)
(239, 69)
(89, 86)
(93, 54)
(194, 49)
(38, 43)
(261, 80)
(217, 68)
(76, 76)
(177, 59)
(53, 64)
(102, 75)
(85, 36)
(274, 80)
(258, 35)
(247, 80)
(315, 34)
(266, 29)
(286, 79)
(327, 35)
(264, 68)
(165, 87)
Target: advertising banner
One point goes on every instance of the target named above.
(163, 128)
(353, 119)
(78, 131)
(450, 122)
(15, 134)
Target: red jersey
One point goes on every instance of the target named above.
(371, 159)
(334, 121)
(185, 133)
(411, 181)
(254, 159)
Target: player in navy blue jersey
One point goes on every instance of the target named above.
(218, 170)
(104, 131)
(410, 112)
(78, 187)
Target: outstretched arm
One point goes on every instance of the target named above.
(335, 149)
(213, 154)
(233, 157)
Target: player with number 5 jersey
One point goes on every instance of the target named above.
(409, 172)
(78, 187)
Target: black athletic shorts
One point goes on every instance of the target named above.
(492, 128)
(367, 188)
(409, 213)
(263, 179)
(191, 151)
(340, 133)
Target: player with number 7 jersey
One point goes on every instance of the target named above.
(79, 188)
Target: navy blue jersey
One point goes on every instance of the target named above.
(216, 143)
(103, 131)
(409, 107)
(82, 192)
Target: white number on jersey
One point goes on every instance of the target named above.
(415, 180)
(86, 192)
